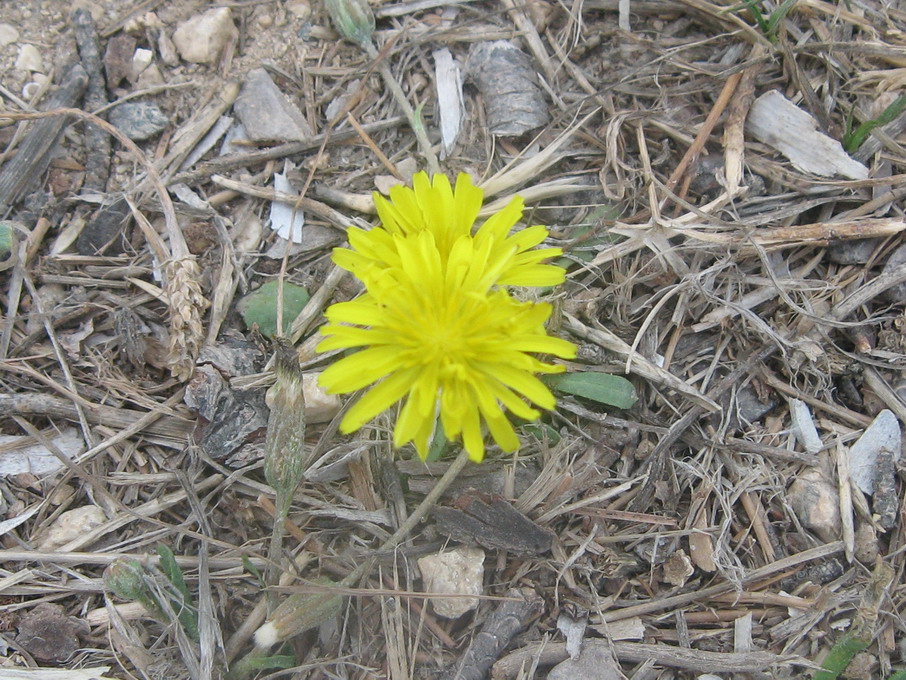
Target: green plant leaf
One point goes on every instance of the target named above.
(260, 306)
(6, 238)
(604, 388)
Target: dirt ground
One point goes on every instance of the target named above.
(726, 182)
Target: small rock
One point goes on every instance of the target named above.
(30, 59)
(166, 49)
(813, 497)
(804, 426)
(141, 60)
(8, 35)
(266, 113)
(201, 38)
(320, 407)
(596, 662)
(48, 634)
(678, 568)
(883, 433)
(71, 524)
(867, 548)
(150, 77)
(301, 10)
(118, 58)
(459, 571)
(139, 120)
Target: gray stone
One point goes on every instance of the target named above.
(266, 113)
(139, 120)
(864, 455)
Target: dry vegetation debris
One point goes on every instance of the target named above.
(726, 179)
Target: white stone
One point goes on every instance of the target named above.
(201, 38)
(320, 407)
(883, 433)
(8, 35)
(141, 60)
(70, 525)
(460, 572)
(30, 59)
(804, 426)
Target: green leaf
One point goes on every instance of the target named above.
(6, 238)
(542, 431)
(260, 306)
(612, 390)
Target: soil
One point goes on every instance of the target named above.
(728, 504)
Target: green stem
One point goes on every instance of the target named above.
(414, 118)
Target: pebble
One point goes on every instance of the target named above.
(8, 35)
(70, 525)
(301, 10)
(460, 572)
(141, 60)
(139, 120)
(118, 58)
(883, 433)
(813, 497)
(150, 77)
(266, 113)
(30, 59)
(804, 426)
(201, 38)
(320, 407)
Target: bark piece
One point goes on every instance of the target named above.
(104, 233)
(507, 621)
(493, 523)
(36, 149)
(509, 85)
(779, 123)
(97, 142)
(48, 634)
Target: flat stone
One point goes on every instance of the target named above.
(883, 433)
(118, 58)
(30, 59)
(266, 113)
(139, 120)
(460, 572)
(8, 35)
(201, 38)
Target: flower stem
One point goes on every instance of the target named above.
(414, 116)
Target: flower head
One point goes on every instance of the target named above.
(437, 327)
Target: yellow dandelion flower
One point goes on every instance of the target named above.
(435, 327)
(450, 216)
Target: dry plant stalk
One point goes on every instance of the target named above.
(184, 298)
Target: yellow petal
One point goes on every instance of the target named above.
(379, 398)
(360, 369)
